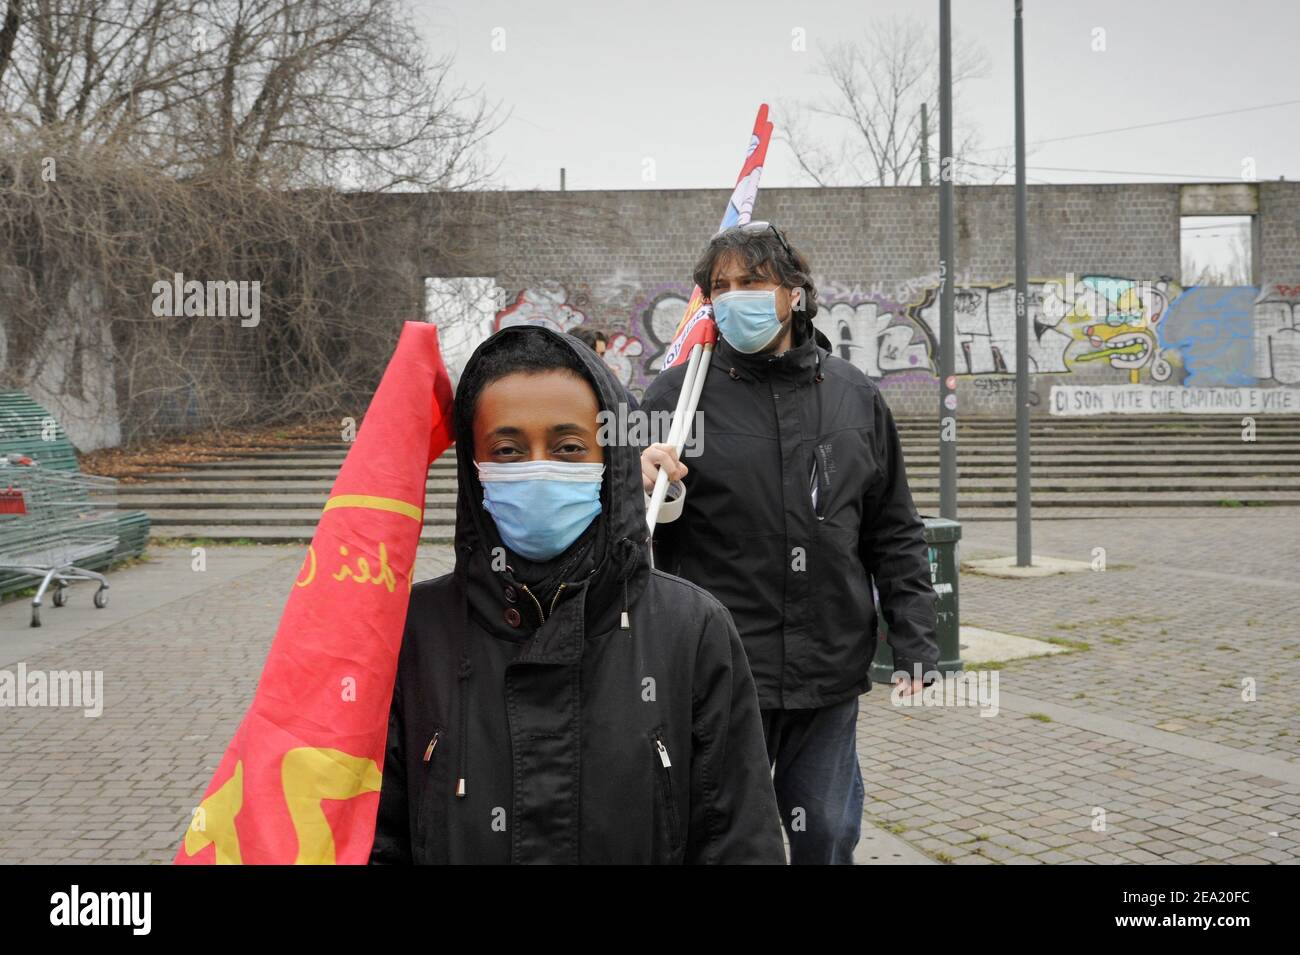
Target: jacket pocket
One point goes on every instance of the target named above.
(426, 801)
(662, 765)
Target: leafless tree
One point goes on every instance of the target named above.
(1229, 265)
(243, 141)
(872, 114)
(289, 92)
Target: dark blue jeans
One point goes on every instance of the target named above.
(818, 781)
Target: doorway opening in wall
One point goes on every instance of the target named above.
(463, 308)
(1217, 250)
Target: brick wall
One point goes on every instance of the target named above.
(621, 260)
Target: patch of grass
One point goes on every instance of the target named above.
(1041, 717)
(188, 542)
(1231, 504)
(1127, 619)
(174, 542)
(942, 857)
(1072, 644)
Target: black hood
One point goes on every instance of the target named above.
(618, 566)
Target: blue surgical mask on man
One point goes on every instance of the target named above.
(541, 507)
(747, 320)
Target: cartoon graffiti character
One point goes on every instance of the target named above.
(620, 354)
(1119, 317)
(540, 306)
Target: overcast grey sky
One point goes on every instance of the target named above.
(597, 87)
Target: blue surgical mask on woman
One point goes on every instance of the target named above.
(541, 507)
(747, 320)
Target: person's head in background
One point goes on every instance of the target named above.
(761, 289)
(593, 339)
(529, 410)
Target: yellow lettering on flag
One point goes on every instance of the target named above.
(310, 775)
(311, 574)
(376, 503)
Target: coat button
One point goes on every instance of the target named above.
(511, 594)
(512, 616)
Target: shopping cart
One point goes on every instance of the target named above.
(52, 521)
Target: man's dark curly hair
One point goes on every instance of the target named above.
(528, 352)
(762, 252)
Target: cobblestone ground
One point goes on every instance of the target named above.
(1146, 725)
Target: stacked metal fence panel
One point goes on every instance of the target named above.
(28, 428)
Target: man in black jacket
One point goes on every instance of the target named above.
(556, 699)
(796, 503)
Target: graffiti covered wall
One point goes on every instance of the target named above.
(1112, 330)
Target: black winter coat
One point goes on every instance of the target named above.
(796, 575)
(527, 733)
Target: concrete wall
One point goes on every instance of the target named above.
(1113, 329)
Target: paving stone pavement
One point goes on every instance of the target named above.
(1147, 725)
(1145, 730)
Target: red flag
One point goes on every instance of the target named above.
(697, 326)
(300, 781)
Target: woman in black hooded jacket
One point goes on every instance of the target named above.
(556, 699)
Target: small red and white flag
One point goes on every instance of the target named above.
(697, 326)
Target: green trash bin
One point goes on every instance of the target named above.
(942, 536)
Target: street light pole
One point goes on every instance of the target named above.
(947, 366)
(1023, 492)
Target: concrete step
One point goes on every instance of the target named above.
(1173, 462)
(999, 498)
(164, 502)
(288, 517)
(263, 534)
(1004, 510)
(256, 488)
(919, 455)
(262, 474)
(438, 467)
(1163, 489)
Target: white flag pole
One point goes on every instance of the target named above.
(688, 400)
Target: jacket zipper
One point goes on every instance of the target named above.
(422, 810)
(670, 804)
(663, 752)
(536, 602)
(433, 744)
(559, 590)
